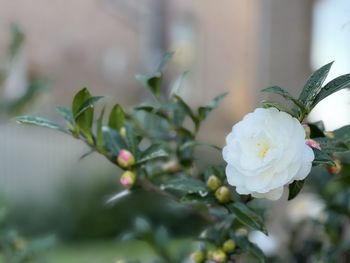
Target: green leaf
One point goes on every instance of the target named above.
(314, 85)
(152, 83)
(280, 107)
(247, 216)
(184, 106)
(189, 185)
(84, 119)
(251, 248)
(165, 60)
(67, 115)
(38, 121)
(178, 85)
(132, 141)
(295, 188)
(152, 156)
(336, 84)
(153, 110)
(343, 134)
(190, 144)
(99, 132)
(317, 129)
(331, 145)
(204, 111)
(88, 104)
(285, 94)
(322, 158)
(116, 117)
(113, 141)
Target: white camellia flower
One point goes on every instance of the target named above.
(265, 151)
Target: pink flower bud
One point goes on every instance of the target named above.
(313, 144)
(125, 159)
(128, 179)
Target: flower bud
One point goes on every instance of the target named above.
(198, 256)
(218, 256)
(213, 183)
(307, 131)
(122, 132)
(223, 194)
(229, 246)
(313, 144)
(334, 169)
(171, 166)
(125, 159)
(242, 232)
(128, 179)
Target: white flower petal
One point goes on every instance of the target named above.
(265, 151)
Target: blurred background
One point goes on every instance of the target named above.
(230, 45)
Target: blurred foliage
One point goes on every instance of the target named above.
(35, 84)
(14, 248)
(154, 144)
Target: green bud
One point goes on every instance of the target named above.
(242, 232)
(213, 183)
(218, 256)
(122, 132)
(229, 246)
(223, 194)
(171, 166)
(198, 256)
(128, 179)
(125, 159)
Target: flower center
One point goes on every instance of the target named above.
(263, 148)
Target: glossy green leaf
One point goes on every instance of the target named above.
(190, 144)
(317, 129)
(331, 87)
(152, 156)
(113, 141)
(322, 158)
(204, 111)
(189, 185)
(83, 119)
(88, 104)
(280, 107)
(153, 110)
(251, 248)
(38, 121)
(152, 83)
(67, 115)
(285, 94)
(247, 216)
(331, 145)
(165, 60)
(314, 85)
(116, 117)
(132, 140)
(178, 85)
(184, 106)
(99, 132)
(343, 134)
(295, 188)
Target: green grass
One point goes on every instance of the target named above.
(98, 252)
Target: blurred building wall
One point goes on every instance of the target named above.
(231, 45)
